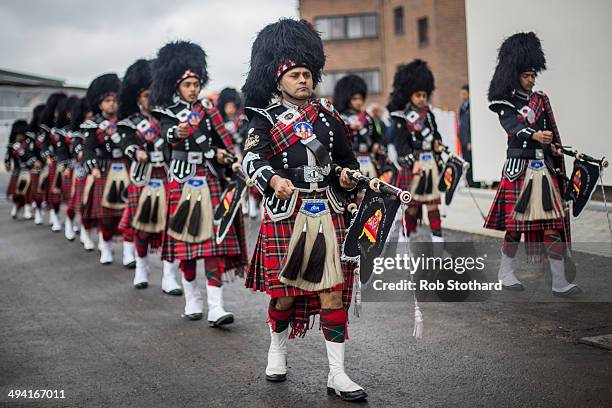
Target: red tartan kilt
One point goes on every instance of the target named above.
(94, 209)
(33, 194)
(53, 198)
(270, 250)
(66, 187)
(125, 226)
(75, 203)
(404, 177)
(500, 214)
(12, 185)
(255, 193)
(230, 248)
(404, 181)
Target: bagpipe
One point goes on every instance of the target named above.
(583, 179)
(454, 169)
(231, 198)
(372, 221)
(386, 169)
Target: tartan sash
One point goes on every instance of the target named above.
(539, 104)
(418, 124)
(282, 133)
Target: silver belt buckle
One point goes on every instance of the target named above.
(157, 157)
(539, 154)
(117, 153)
(194, 157)
(313, 174)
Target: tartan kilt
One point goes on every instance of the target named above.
(231, 249)
(133, 194)
(500, 214)
(33, 194)
(265, 268)
(404, 181)
(12, 185)
(75, 202)
(94, 209)
(52, 197)
(66, 186)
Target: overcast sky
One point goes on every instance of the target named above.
(77, 40)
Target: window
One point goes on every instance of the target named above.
(398, 20)
(347, 27)
(370, 76)
(423, 27)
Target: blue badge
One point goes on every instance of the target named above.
(426, 156)
(536, 164)
(313, 207)
(117, 167)
(303, 130)
(193, 118)
(155, 184)
(196, 182)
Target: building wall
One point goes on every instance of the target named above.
(446, 52)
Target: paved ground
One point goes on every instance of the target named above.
(69, 323)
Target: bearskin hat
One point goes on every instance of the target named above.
(175, 62)
(410, 78)
(278, 48)
(100, 88)
(36, 116)
(519, 53)
(347, 87)
(20, 126)
(136, 80)
(48, 114)
(79, 111)
(225, 96)
(64, 111)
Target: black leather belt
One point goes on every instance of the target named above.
(190, 157)
(534, 154)
(306, 174)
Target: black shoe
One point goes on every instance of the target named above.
(568, 293)
(193, 316)
(353, 396)
(227, 319)
(517, 287)
(142, 285)
(131, 265)
(174, 292)
(276, 377)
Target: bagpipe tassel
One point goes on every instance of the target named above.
(122, 192)
(523, 201)
(429, 183)
(357, 307)
(316, 263)
(145, 210)
(195, 218)
(418, 322)
(296, 255)
(547, 200)
(154, 213)
(113, 194)
(58, 180)
(420, 190)
(178, 221)
(22, 185)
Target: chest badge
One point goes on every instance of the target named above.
(303, 130)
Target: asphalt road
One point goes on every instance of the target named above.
(68, 323)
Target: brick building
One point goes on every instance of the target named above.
(372, 37)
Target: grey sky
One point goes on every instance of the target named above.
(78, 40)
